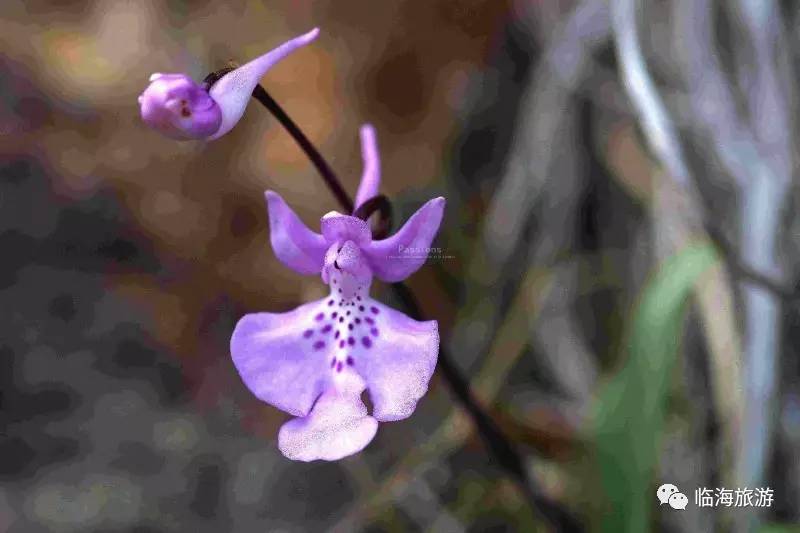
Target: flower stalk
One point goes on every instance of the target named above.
(264, 98)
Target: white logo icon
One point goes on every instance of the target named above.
(678, 501)
(665, 491)
(669, 494)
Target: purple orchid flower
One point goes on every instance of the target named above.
(181, 109)
(314, 362)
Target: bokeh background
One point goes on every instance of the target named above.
(586, 160)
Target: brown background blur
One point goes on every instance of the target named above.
(126, 259)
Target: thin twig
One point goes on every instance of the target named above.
(739, 269)
(762, 199)
(664, 140)
(712, 104)
(658, 128)
(528, 165)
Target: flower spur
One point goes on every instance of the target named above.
(315, 362)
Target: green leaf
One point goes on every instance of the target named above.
(629, 413)
(779, 528)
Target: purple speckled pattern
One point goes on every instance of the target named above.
(289, 359)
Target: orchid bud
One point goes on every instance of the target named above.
(182, 109)
(179, 108)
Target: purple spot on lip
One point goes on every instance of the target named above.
(334, 315)
(366, 342)
(349, 360)
(339, 366)
(341, 343)
(369, 321)
(337, 334)
(374, 332)
(351, 341)
(330, 302)
(307, 333)
(350, 327)
(319, 317)
(327, 328)
(358, 321)
(319, 345)
(360, 307)
(333, 362)
(374, 310)
(341, 319)
(348, 313)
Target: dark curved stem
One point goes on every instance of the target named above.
(383, 207)
(500, 446)
(327, 173)
(260, 94)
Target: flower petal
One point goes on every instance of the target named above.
(337, 227)
(232, 92)
(279, 361)
(337, 426)
(294, 244)
(396, 358)
(397, 257)
(371, 175)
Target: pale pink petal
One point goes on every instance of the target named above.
(337, 426)
(396, 355)
(371, 175)
(397, 257)
(283, 357)
(294, 244)
(337, 227)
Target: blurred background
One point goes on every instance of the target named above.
(617, 282)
